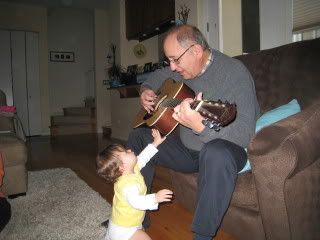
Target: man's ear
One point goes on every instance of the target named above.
(198, 51)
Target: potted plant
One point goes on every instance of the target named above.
(115, 71)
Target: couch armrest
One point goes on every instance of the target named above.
(6, 123)
(10, 123)
(278, 153)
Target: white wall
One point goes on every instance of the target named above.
(275, 23)
(101, 43)
(70, 30)
(231, 27)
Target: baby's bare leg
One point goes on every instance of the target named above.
(140, 235)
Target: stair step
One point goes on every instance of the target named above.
(71, 120)
(79, 111)
(72, 129)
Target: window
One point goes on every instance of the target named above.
(306, 34)
(306, 20)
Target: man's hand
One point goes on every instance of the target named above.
(164, 195)
(157, 139)
(187, 116)
(147, 98)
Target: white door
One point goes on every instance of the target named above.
(19, 77)
(5, 66)
(210, 23)
(33, 83)
(25, 80)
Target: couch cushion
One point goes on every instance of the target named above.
(244, 194)
(286, 72)
(278, 114)
(273, 116)
(14, 150)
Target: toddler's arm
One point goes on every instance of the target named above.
(146, 202)
(151, 149)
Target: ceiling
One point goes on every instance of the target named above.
(88, 4)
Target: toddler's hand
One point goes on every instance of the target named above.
(157, 139)
(164, 195)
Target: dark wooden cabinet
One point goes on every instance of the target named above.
(147, 18)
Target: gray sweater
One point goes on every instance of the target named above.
(225, 79)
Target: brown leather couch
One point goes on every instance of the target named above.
(14, 152)
(280, 197)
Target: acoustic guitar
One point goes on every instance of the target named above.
(216, 113)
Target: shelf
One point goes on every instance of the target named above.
(128, 91)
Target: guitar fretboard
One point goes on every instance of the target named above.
(171, 103)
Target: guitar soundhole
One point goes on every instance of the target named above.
(159, 102)
(147, 116)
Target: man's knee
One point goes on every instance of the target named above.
(220, 152)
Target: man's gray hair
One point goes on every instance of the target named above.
(187, 35)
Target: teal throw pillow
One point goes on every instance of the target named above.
(273, 116)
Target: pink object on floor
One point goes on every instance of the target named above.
(8, 109)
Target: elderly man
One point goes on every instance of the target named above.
(216, 155)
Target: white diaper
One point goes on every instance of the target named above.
(116, 232)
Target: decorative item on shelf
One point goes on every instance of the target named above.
(147, 67)
(140, 69)
(116, 71)
(130, 77)
(139, 50)
(132, 69)
(183, 13)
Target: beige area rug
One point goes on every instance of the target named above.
(58, 205)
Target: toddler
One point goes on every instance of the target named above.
(121, 166)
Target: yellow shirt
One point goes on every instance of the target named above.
(123, 214)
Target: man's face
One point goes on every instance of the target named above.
(182, 60)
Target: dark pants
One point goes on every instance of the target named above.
(218, 163)
(5, 212)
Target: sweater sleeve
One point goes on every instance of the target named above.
(146, 154)
(156, 78)
(141, 202)
(242, 128)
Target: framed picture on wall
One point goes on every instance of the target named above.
(61, 56)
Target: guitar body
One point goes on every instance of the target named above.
(217, 114)
(162, 119)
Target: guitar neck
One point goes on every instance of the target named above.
(171, 103)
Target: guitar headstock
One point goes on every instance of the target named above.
(217, 113)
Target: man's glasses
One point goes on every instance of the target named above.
(177, 60)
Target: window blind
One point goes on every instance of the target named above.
(306, 14)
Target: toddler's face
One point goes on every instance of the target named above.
(128, 158)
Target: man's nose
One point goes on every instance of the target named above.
(173, 66)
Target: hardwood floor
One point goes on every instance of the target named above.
(171, 222)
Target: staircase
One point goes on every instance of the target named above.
(75, 120)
